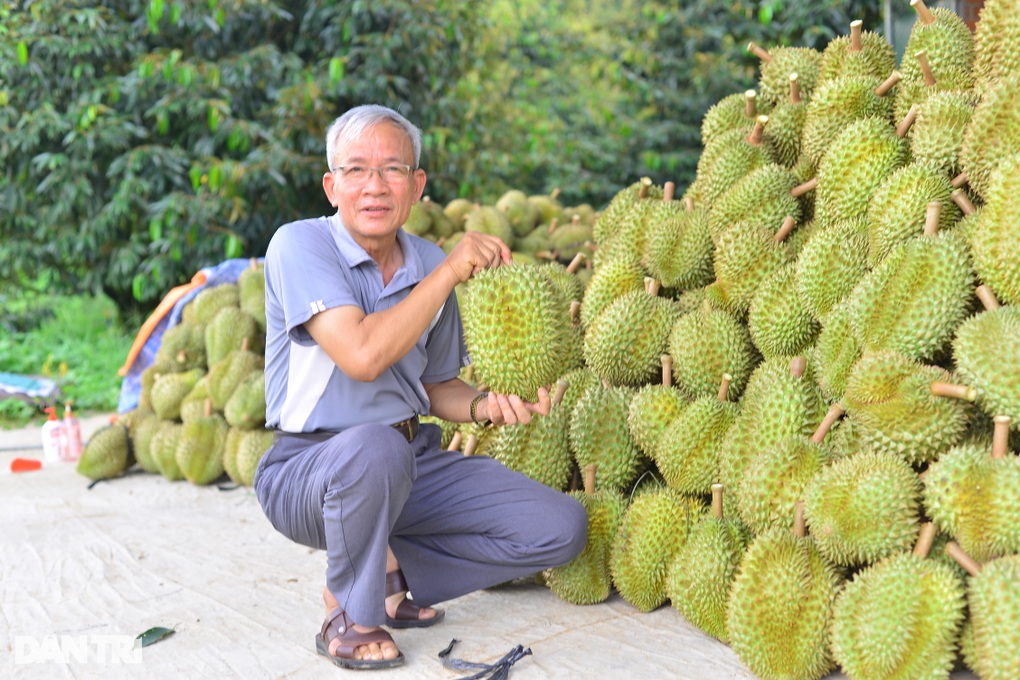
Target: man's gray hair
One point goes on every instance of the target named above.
(352, 124)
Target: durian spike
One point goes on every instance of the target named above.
(835, 413)
(1000, 436)
(944, 389)
(652, 285)
(717, 507)
(797, 367)
(759, 51)
(688, 204)
(575, 310)
(724, 386)
(969, 564)
(908, 121)
(646, 185)
(925, 539)
(987, 297)
(471, 445)
(959, 180)
(932, 213)
(888, 84)
(802, 189)
(856, 44)
(553, 223)
(554, 193)
(561, 390)
(922, 59)
(757, 134)
(208, 409)
(961, 199)
(788, 224)
(589, 479)
(454, 444)
(799, 525)
(750, 104)
(667, 369)
(575, 264)
(668, 189)
(923, 12)
(794, 89)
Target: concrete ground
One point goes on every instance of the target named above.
(85, 570)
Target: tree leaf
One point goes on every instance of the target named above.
(152, 636)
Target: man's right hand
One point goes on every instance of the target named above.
(475, 252)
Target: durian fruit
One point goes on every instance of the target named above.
(973, 497)
(786, 125)
(678, 250)
(906, 408)
(624, 344)
(107, 453)
(900, 617)
(986, 352)
(861, 53)
(182, 347)
(609, 223)
(778, 63)
(253, 445)
(251, 287)
(728, 159)
(705, 344)
(835, 352)
(913, 200)
(936, 137)
(199, 451)
(654, 527)
(231, 446)
(599, 435)
(699, 579)
(653, 408)
(204, 307)
(762, 196)
(225, 375)
(228, 329)
(831, 263)
(993, 133)
(780, 606)
(912, 93)
(780, 324)
(419, 221)
(735, 111)
(687, 451)
(568, 239)
(488, 219)
(523, 215)
(994, 603)
(628, 236)
(863, 508)
(170, 390)
(610, 280)
(994, 239)
(548, 205)
(745, 255)
(163, 448)
(587, 579)
(995, 40)
(777, 478)
(540, 449)
(193, 405)
(141, 427)
(456, 212)
(246, 407)
(943, 35)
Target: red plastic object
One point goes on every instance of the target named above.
(25, 465)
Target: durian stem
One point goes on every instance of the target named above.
(961, 199)
(802, 189)
(589, 479)
(668, 189)
(969, 564)
(944, 389)
(253, 262)
(455, 441)
(835, 413)
(959, 180)
(575, 310)
(575, 264)
(987, 297)
(856, 44)
(922, 59)
(724, 386)
(689, 204)
(561, 389)
(717, 507)
(1000, 436)
(758, 133)
(794, 89)
(652, 285)
(799, 525)
(646, 185)
(750, 104)
(888, 84)
(923, 12)
(208, 409)
(784, 230)
(575, 220)
(244, 345)
(908, 121)
(553, 223)
(554, 193)
(932, 214)
(667, 370)
(925, 539)
(797, 367)
(759, 51)
(471, 445)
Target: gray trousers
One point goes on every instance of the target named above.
(456, 523)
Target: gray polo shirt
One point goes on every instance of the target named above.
(313, 265)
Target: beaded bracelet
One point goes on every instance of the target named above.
(474, 406)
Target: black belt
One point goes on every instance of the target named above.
(409, 428)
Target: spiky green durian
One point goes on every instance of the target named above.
(986, 350)
(835, 106)
(540, 449)
(687, 453)
(170, 390)
(831, 263)
(994, 609)
(489, 219)
(199, 451)
(163, 448)
(231, 445)
(141, 427)
(943, 36)
(762, 196)
(419, 221)
(651, 411)
(517, 329)
(786, 125)
(611, 279)
(251, 286)
(678, 251)
(624, 344)
(107, 453)
(779, 62)
(779, 322)
(457, 210)
(599, 435)
(193, 405)
(548, 205)
(231, 328)
(231, 371)
(523, 215)
(567, 240)
(204, 307)
(729, 158)
(835, 352)
(629, 234)
(654, 526)
(993, 133)
(617, 216)
(862, 53)
(937, 135)
(995, 37)
(915, 298)
(745, 255)
(706, 344)
(735, 111)
(253, 445)
(863, 508)
(776, 479)
(246, 407)
(780, 607)
(182, 347)
(898, 209)
(995, 239)
(891, 398)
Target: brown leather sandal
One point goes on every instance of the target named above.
(407, 613)
(338, 626)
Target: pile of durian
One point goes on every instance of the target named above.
(789, 397)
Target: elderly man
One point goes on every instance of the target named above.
(364, 335)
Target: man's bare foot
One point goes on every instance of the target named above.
(371, 652)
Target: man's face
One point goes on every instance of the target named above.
(374, 209)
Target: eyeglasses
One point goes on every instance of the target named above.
(361, 174)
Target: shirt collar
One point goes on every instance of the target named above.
(412, 271)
